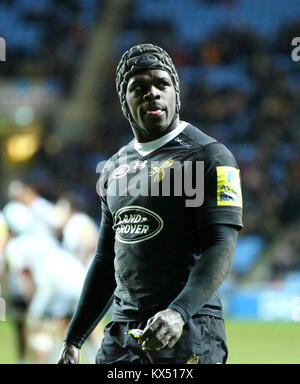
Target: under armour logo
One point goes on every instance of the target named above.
(139, 164)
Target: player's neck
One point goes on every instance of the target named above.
(143, 136)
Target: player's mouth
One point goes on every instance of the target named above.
(155, 111)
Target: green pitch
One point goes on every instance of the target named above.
(248, 342)
(7, 344)
(263, 343)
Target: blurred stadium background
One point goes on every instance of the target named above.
(60, 116)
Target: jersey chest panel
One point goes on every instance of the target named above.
(146, 195)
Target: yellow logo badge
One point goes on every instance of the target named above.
(159, 172)
(194, 359)
(229, 186)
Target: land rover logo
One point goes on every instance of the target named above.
(120, 171)
(134, 224)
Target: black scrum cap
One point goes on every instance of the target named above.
(142, 57)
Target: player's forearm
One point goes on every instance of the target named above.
(94, 302)
(208, 273)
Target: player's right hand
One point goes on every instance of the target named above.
(69, 354)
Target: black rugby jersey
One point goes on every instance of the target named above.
(157, 237)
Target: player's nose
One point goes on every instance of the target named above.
(153, 93)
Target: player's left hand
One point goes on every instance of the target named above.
(162, 331)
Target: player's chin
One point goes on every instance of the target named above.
(156, 125)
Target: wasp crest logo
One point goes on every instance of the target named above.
(159, 172)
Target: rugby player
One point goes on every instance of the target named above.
(159, 261)
(37, 264)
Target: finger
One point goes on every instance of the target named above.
(161, 333)
(165, 341)
(71, 356)
(164, 348)
(69, 359)
(65, 359)
(172, 342)
(149, 330)
(167, 346)
(150, 320)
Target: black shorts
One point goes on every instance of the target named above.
(203, 341)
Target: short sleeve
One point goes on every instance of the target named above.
(223, 203)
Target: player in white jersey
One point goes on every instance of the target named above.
(42, 209)
(79, 231)
(50, 277)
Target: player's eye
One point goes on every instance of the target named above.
(163, 84)
(138, 88)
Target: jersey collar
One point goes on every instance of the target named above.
(145, 148)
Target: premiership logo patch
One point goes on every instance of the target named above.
(194, 359)
(229, 186)
(159, 172)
